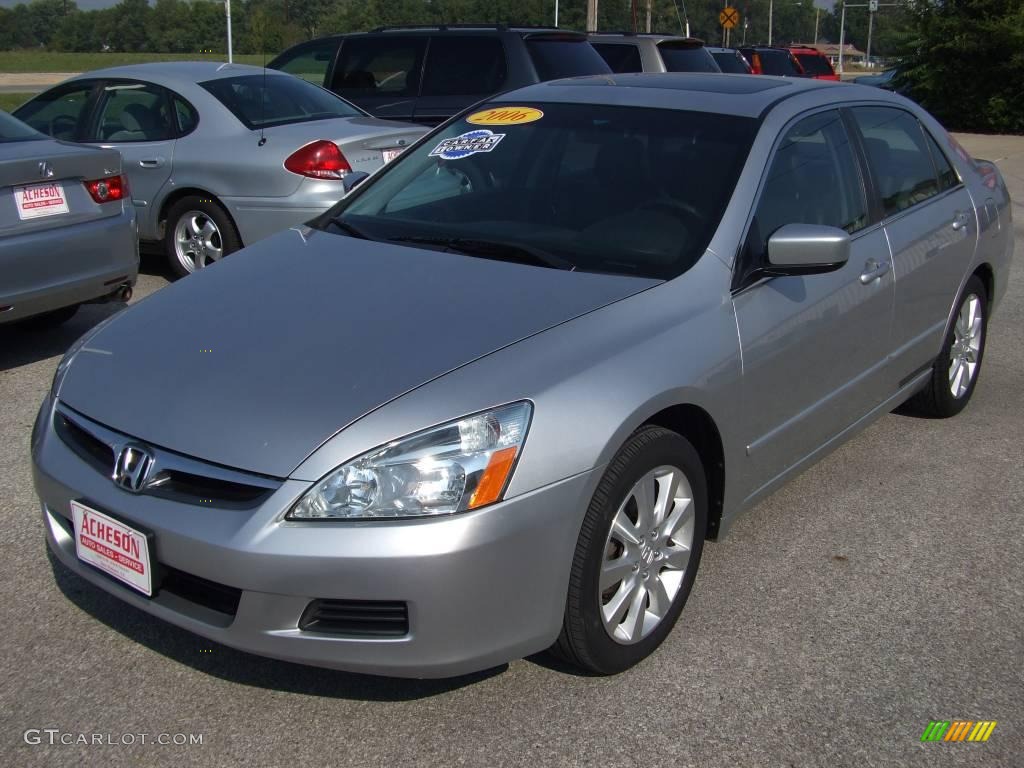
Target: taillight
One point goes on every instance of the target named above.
(755, 64)
(319, 160)
(107, 190)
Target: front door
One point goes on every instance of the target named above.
(813, 346)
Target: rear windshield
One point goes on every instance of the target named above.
(12, 129)
(556, 57)
(687, 58)
(621, 58)
(730, 62)
(263, 102)
(599, 188)
(814, 64)
(777, 63)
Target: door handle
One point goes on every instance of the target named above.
(873, 270)
(961, 221)
(152, 162)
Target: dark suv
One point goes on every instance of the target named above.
(428, 74)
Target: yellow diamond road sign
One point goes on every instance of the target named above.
(729, 17)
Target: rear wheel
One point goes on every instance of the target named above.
(958, 365)
(637, 554)
(198, 232)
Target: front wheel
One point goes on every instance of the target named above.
(637, 554)
(198, 232)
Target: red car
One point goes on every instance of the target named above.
(814, 62)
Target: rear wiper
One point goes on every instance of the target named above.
(499, 250)
(348, 229)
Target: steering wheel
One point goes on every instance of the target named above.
(62, 124)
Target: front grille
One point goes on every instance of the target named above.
(173, 476)
(357, 618)
(195, 589)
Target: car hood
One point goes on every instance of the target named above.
(252, 363)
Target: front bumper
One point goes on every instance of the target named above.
(481, 588)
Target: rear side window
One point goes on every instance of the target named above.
(555, 57)
(130, 112)
(686, 58)
(58, 112)
(899, 158)
(386, 66)
(814, 64)
(187, 116)
(262, 102)
(464, 66)
(309, 61)
(731, 62)
(813, 179)
(620, 58)
(947, 176)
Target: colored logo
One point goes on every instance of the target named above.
(958, 730)
(467, 144)
(505, 116)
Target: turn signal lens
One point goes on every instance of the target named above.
(107, 190)
(319, 160)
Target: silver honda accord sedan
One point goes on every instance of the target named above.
(496, 400)
(219, 155)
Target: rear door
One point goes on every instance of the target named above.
(460, 70)
(931, 225)
(137, 119)
(381, 74)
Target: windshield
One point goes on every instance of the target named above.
(263, 102)
(12, 129)
(589, 187)
(814, 64)
(687, 58)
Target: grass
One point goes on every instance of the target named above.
(52, 61)
(8, 101)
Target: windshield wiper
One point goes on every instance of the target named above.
(348, 229)
(499, 250)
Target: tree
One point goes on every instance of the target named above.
(978, 45)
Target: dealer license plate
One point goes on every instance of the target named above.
(40, 200)
(391, 154)
(113, 547)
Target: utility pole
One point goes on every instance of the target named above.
(591, 15)
(871, 23)
(817, 16)
(771, 11)
(227, 10)
(648, 16)
(556, 14)
(842, 39)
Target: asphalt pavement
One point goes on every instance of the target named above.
(880, 590)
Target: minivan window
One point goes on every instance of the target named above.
(621, 58)
(686, 57)
(626, 190)
(776, 63)
(310, 61)
(899, 158)
(464, 66)
(262, 102)
(730, 62)
(814, 64)
(386, 66)
(556, 56)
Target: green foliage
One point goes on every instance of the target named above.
(966, 63)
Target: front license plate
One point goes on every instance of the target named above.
(40, 200)
(391, 154)
(113, 547)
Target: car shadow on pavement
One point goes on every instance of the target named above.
(22, 343)
(240, 667)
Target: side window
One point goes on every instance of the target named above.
(621, 58)
(389, 66)
(131, 112)
(947, 176)
(898, 156)
(187, 116)
(464, 66)
(310, 62)
(814, 178)
(59, 112)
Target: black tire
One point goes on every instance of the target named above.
(50, 319)
(584, 641)
(937, 399)
(229, 238)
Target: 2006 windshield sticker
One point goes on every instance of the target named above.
(469, 143)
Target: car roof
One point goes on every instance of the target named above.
(632, 37)
(742, 95)
(447, 29)
(178, 74)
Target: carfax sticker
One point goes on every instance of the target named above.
(467, 144)
(505, 116)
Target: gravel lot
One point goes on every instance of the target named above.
(878, 591)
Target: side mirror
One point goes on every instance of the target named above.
(353, 180)
(807, 249)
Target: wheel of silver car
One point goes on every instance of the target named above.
(637, 554)
(198, 233)
(956, 369)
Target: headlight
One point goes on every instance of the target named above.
(69, 356)
(462, 465)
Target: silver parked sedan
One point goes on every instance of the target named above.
(67, 229)
(219, 156)
(496, 400)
